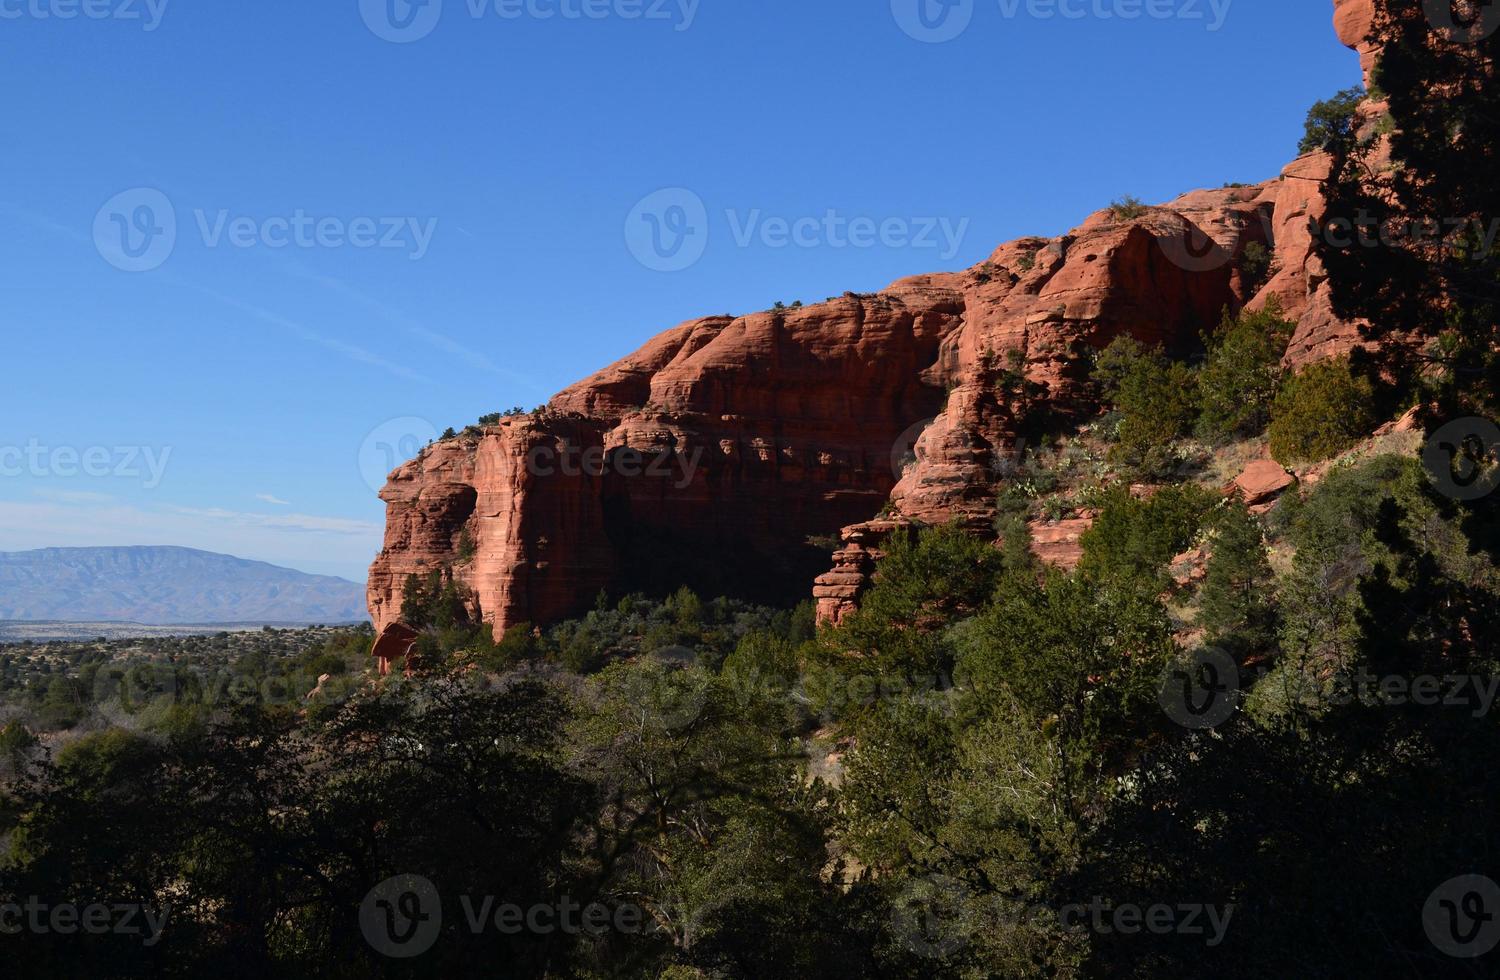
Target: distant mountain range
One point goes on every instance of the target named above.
(168, 585)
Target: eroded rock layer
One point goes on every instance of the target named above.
(713, 454)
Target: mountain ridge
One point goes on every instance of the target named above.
(167, 585)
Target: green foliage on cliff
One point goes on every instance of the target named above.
(751, 797)
(1330, 122)
(1321, 412)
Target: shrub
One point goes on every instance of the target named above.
(925, 583)
(1155, 398)
(1134, 539)
(1236, 604)
(1321, 412)
(1331, 121)
(1240, 378)
(1255, 265)
(1128, 208)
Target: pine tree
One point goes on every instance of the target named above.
(1236, 604)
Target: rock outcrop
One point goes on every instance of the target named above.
(714, 453)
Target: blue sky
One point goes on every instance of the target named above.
(383, 220)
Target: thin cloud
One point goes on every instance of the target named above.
(351, 351)
(73, 496)
(446, 344)
(282, 522)
(273, 499)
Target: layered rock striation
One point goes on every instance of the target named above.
(713, 454)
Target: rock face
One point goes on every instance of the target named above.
(710, 456)
(1262, 482)
(1353, 20)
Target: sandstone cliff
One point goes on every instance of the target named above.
(713, 453)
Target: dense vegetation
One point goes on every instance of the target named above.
(992, 768)
(935, 788)
(1237, 390)
(1409, 241)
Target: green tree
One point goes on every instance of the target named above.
(1330, 123)
(1236, 604)
(1134, 538)
(1241, 375)
(925, 583)
(1155, 396)
(1409, 244)
(1321, 412)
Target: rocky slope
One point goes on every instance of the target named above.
(714, 452)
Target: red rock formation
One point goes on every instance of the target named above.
(1262, 482)
(1060, 543)
(710, 455)
(1353, 21)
